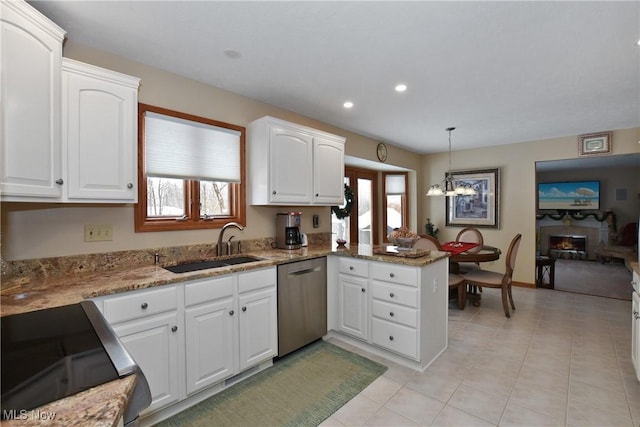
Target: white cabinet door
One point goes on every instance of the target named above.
(258, 327)
(635, 332)
(290, 169)
(328, 171)
(211, 336)
(99, 113)
(31, 48)
(153, 343)
(353, 310)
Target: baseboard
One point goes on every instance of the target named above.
(524, 285)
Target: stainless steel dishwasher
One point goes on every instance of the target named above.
(302, 303)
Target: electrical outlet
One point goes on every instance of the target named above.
(98, 233)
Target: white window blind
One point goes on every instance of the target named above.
(179, 148)
(394, 184)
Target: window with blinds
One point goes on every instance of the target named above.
(192, 171)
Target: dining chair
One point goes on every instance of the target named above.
(502, 281)
(471, 235)
(455, 280)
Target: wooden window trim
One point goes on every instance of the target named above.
(237, 192)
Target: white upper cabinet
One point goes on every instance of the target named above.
(292, 164)
(30, 115)
(100, 123)
(69, 130)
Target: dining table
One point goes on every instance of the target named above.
(460, 252)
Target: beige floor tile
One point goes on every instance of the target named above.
(516, 415)
(552, 405)
(386, 418)
(607, 379)
(415, 406)
(357, 411)
(534, 378)
(331, 422)
(450, 416)
(598, 397)
(479, 403)
(583, 415)
(437, 385)
(381, 390)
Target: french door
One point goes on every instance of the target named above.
(362, 225)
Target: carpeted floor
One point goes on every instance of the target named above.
(301, 389)
(610, 280)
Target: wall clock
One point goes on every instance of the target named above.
(381, 151)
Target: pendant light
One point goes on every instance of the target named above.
(446, 187)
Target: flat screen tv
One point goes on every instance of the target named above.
(572, 195)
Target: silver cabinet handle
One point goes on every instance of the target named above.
(59, 181)
(144, 306)
(130, 185)
(174, 328)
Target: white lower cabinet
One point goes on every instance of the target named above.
(192, 336)
(154, 344)
(353, 307)
(211, 331)
(398, 308)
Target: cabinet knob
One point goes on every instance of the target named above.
(391, 314)
(391, 338)
(317, 194)
(231, 313)
(144, 306)
(174, 328)
(392, 275)
(273, 192)
(130, 185)
(351, 267)
(391, 294)
(363, 290)
(244, 308)
(59, 181)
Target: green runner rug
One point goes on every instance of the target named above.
(301, 389)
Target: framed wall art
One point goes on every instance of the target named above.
(594, 143)
(481, 209)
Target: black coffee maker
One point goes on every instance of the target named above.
(288, 234)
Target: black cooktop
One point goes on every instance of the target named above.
(50, 354)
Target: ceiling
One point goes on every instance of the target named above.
(500, 72)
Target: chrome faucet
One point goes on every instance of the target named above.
(221, 249)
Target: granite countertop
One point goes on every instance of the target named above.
(104, 405)
(37, 294)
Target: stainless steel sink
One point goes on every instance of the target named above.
(214, 263)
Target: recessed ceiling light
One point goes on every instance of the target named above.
(401, 87)
(348, 104)
(232, 53)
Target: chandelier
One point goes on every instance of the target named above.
(447, 187)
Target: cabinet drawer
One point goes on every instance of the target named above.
(208, 290)
(394, 273)
(398, 294)
(257, 279)
(140, 304)
(395, 313)
(354, 267)
(394, 337)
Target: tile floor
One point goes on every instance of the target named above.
(562, 359)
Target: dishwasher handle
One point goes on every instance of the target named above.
(304, 271)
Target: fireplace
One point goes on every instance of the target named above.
(565, 244)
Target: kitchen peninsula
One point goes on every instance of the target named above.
(401, 302)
